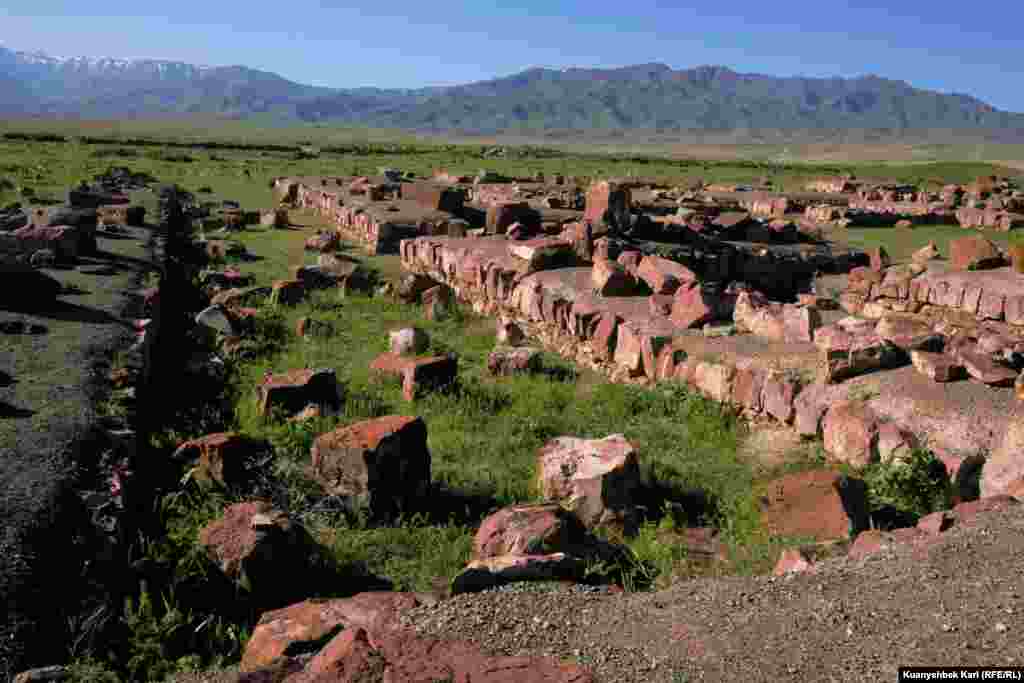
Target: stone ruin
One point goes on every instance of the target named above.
(59, 234)
(859, 353)
(989, 203)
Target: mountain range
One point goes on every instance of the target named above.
(649, 97)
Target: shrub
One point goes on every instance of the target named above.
(917, 486)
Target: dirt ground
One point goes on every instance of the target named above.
(47, 411)
(958, 601)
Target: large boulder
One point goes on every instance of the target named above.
(938, 367)
(303, 627)
(219, 320)
(974, 253)
(907, 333)
(539, 529)
(380, 465)
(408, 341)
(507, 361)
(220, 457)
(851, 355)
(255, 545)
(981, 367)
(851, 433)
(664, 276)
(695, 305)
(63, 240)
(403, 655)
(412, 286)
(438, 303)
(287, 292)
(608, 207)
(422, 375)
(598, 479)
(1003, 472)
(611, 278)
(293, 391)
(817, 504)
(511, 568)
(508, 333)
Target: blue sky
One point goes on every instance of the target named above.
(406, 43)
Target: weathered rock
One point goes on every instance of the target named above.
(664, 276)
(611, 278)
(380, 465)
(510, 568)
(695, 306)
(810, 407)
(630, 260)
(983, 368)
(661, 305)
(926, 253)
(43, 674)
(851, 433)
(428, 374)
(64, 241)
(506, 361)
(43, 258)
(217, 319)
(508, 333)
(605, 340)
(800, 323)
(935, 523)
(793, 561)
(287, 292)
(408, 341)
(906, 333)
(403, 655)
(638, 344)
(244, 296)
(542, 253)
(412, 285)
(755, 314)
(1005, 464)
(974, 253)
(779, 395)
(822, 303)
(937, 366)
(816, 504)
(862, 354)
(302, 627)
(348, 657)
(540, 529)
(323, 242)
(608, 205)
(715, 380)
(254, 545)
(895, 444)
(294, 390)
(879, 259)
(220, 457)
(598, 479)
(438, 302)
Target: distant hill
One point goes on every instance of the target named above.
(648, 97)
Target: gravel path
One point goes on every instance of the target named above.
(44, 434)
(956, 601)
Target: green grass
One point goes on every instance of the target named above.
(484, 438)
(901, 243)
